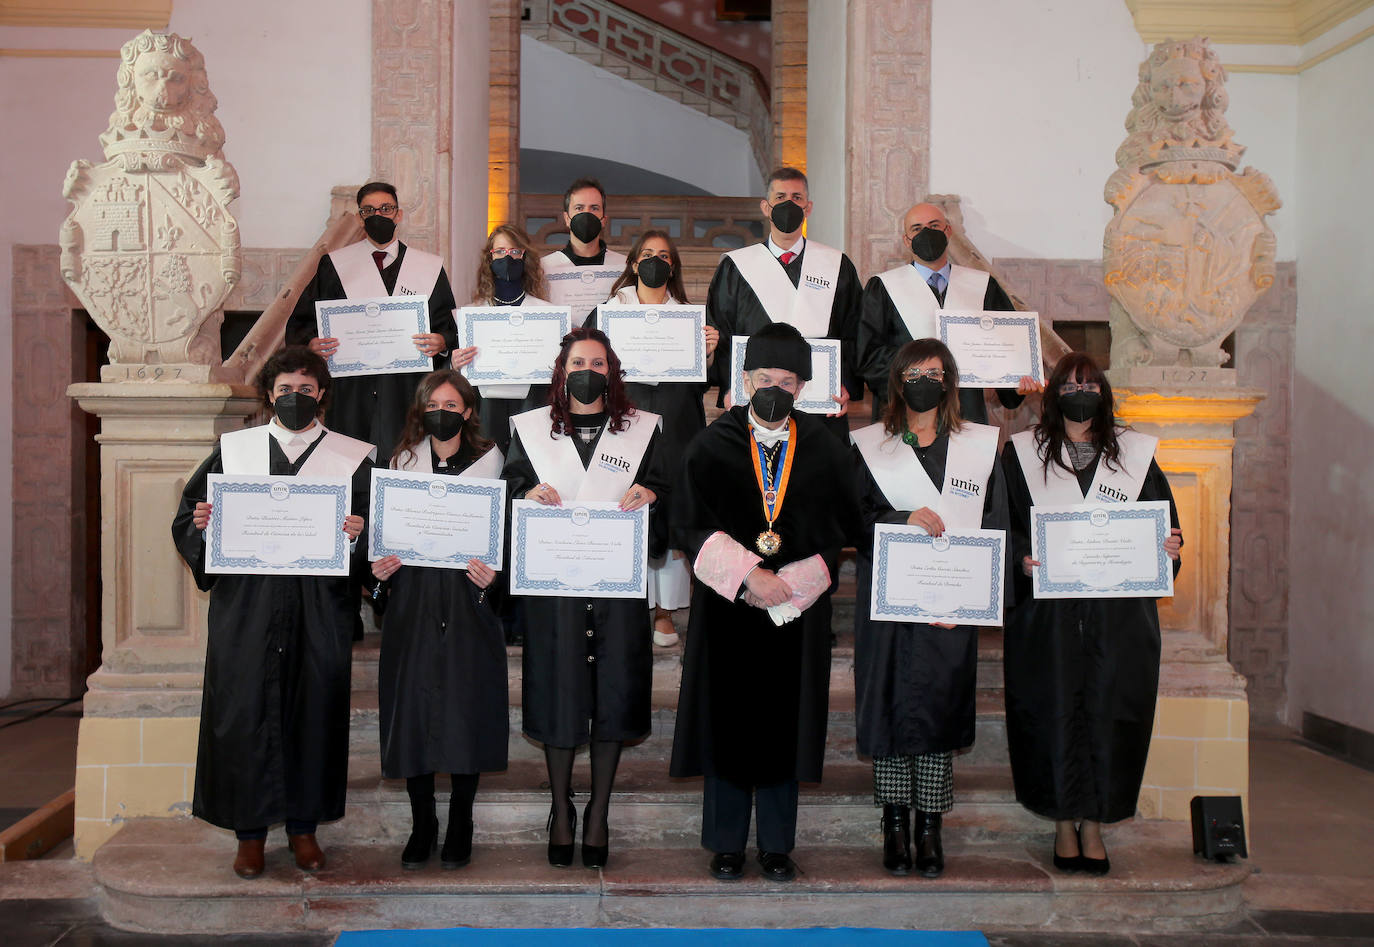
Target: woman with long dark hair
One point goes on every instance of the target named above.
(922, 465)
(653, 275)
(1081, 674)
(442, 674)
(587, 663)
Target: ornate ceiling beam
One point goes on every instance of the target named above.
(1279, 22)
(88, 14)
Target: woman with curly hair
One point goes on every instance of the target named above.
(588, 664)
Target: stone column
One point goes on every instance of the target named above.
(1201, 736)
(136, 748)
(789, 83)
(503, 182)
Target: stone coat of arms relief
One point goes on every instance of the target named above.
(150, 247)
(1188, 250)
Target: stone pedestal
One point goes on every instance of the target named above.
(1202, 723)
(136, 748)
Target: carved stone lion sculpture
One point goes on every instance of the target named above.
(1187, 251)
(150, 247)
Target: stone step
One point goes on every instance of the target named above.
(174, 876)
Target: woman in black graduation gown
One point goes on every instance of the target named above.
(442, 677)
(1081, 674)
(588, 665)
(274, 713)
(653, 276)
(914, 682)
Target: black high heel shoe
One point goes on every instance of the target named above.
(560, 856)
(594, 856)
(1093, 866)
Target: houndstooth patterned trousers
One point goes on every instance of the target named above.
(924, 782)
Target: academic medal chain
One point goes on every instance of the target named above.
(773, 486)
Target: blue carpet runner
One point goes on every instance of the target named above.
(661, 937)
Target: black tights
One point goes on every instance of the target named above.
(421, 792)
(605, 756)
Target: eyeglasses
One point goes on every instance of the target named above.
(1069, 387)
(515, 253)
(386, 210)
(916, 374)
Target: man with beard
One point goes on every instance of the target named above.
(580, 275)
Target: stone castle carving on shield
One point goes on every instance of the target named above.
(1188, 250)
(150, 248)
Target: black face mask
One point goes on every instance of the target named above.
(1080, 406)
(380, 229)
(922, 394)
(443, 425)
(787, 216)
(654, 271)
(586, 385)
(929, 245)
(585, 227)
(507, 269)
(772, 404)
(295, 410)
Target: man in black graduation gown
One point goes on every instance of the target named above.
(274, 714)
(372, 408)
(581, 274)
(756, 674)
(740, 300)
(882, 330)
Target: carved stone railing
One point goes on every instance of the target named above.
(658, 58)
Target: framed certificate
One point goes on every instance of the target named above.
(992, 349)
(277, 525)
(1110, 551)
(817, 396)
(657, 343)
(956, 577)
(436, 520)
(516, 345)
(585, 549)
(375, 335)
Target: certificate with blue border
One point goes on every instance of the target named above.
(436, 520)
(819, 393)
(992, 349)
(277, 525)
(592, 549)
(1111, 551)
(956, 577)
(657, 343)
(375, 335)
(516, 345)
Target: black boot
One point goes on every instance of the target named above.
(930, 853)
(457, 850)
(897, 839)
(424, 828)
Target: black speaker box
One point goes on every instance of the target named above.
(1218, 827)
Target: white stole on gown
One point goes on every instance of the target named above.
(807, 305)
(907, 486)
(1116, 484)
(556, 462)
(916, 303)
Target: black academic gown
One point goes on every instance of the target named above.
(1081, 679)
(914, 684)
(755, 696)
(882, 332)
(275, 707)
(442, 673)
(734, 309)
(580, 685)
(371, 408)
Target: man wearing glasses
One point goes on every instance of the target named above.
(372, 408)
(899, 306)
(580, 275)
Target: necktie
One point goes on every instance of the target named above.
(787, 257)
(937, 283)
(378, 256)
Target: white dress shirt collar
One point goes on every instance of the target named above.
(926, 271)
(778, 251)
(295, 443)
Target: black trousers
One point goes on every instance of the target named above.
(726, 808)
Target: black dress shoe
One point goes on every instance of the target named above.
(1093, 866)
(560, 856)
(457, 850)
(897, 839)
(930, 853)
(777, 866)
(594, 856)
(1068, 862)
(727, 866)
(421, 844)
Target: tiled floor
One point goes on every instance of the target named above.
(1311, 835)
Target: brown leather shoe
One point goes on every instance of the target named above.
(248, 862)
(309, 855)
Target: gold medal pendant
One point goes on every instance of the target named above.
(768, 543)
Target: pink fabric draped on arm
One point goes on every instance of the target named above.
(808, 579)
(723, 563)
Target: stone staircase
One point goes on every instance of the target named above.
(173, 875)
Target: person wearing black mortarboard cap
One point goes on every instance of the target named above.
(764, 501)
